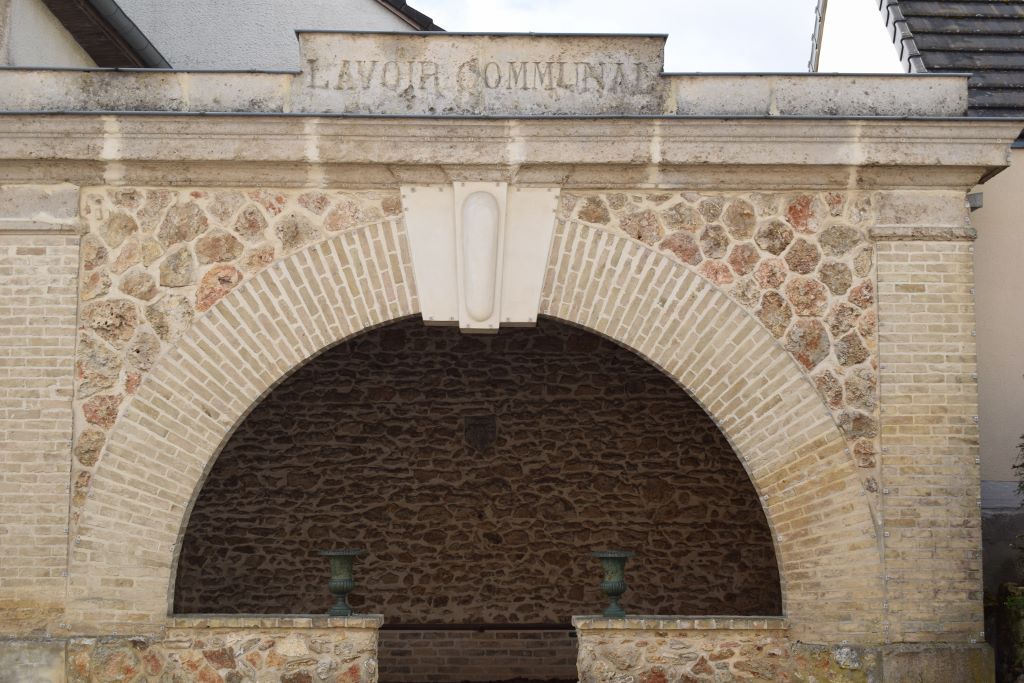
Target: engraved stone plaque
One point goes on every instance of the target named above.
(440, 74)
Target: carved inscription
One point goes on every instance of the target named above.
(412, 77)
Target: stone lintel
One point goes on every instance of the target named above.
(922, 233)
(380, 152)
(673, 623)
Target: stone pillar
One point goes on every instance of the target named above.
(38, 303)
(930, 476)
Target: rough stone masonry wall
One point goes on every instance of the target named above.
(232, 650)
(713, 650)
(38, 297)
(154, 259)
(367, 446)
(692, 651)
(802, 263)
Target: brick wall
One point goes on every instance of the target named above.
(38, 295)
(368, 446)
(931, 480)
(461, 656)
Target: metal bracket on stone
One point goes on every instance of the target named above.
(479, 252)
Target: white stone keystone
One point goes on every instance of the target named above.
(479, 252)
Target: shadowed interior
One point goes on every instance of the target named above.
(478, 472)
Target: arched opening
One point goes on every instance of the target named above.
(478, 472)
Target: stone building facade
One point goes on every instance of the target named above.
(787, 260)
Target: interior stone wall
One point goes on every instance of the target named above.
(378, 444)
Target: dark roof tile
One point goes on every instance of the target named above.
(981, 37)
(106, 34)
(418, 19)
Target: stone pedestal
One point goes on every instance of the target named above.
(208, 648)
(658, 649)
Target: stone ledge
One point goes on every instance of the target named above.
(673, 623)
(922, 233)
(264, 621)
(29, 227)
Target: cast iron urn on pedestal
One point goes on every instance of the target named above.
(614, 585)
(341, 583)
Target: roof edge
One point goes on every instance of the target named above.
(418, 20)
(902, 39)
(106, 33)
(479, 34)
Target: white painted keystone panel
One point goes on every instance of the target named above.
(480, 252)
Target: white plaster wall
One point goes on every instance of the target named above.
(248, 34)
(34, 37)
(999, 274)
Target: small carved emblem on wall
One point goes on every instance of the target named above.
(481, 431)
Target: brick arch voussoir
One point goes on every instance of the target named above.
(820, 516)
(162, 447)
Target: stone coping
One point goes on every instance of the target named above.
(263, 621)
(937, 96)
(682, 623)
(470, 74)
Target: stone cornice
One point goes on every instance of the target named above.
(578, 152)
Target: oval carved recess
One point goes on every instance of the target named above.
(480, 217)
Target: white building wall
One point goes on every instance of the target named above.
(855, 40)
(999, 307)
(248, 34)
(999, 255)
(31, 36)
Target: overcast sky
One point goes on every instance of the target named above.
(704, 35)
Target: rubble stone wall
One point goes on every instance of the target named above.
(478, 472)
(231, 650)
(153, 259)
(663, 649)
(802, 263)
(279, 317)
